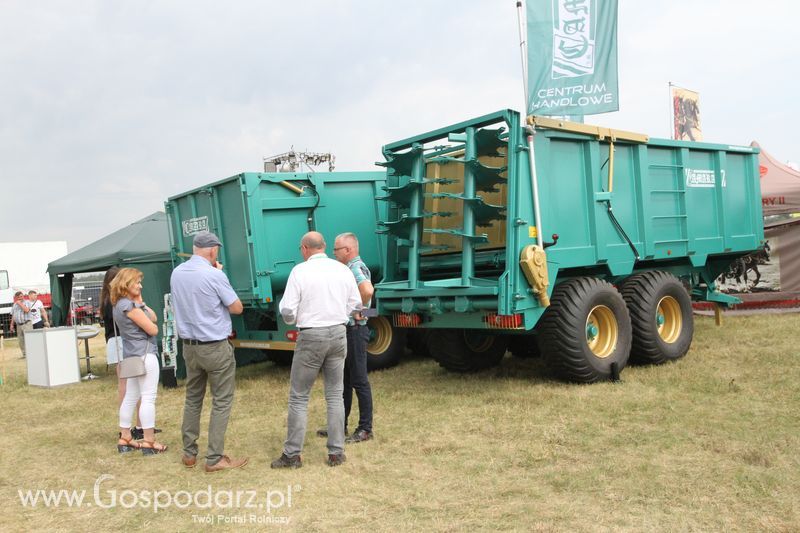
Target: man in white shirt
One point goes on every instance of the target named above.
(320, 296)
(39, 318)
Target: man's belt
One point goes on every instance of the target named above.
(193, 342)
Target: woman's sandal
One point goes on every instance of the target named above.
(127, 445)
(151, 447)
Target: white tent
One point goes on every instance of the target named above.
(780, 198)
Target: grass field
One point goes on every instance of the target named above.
(710, 443)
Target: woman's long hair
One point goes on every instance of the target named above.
(105, 292)
(123, 281)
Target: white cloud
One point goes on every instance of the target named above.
(109, 107)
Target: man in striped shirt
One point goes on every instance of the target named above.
(20, 319)
(355, 367)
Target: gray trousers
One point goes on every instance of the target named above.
(317, 349)
(213, 364)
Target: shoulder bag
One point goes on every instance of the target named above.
(129, 367)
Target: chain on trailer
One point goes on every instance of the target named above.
(169, 336)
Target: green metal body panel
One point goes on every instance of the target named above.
(687, 208)
(454, 210)
(260, 223)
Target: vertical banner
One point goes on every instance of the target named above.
(685, 115)
(572, 57)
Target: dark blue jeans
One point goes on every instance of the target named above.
(355, 377)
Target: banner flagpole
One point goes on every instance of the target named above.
(671, 113)
(523, 54)
(530, 130)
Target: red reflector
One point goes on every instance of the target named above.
(407, 320)
(291, 335)
(493, 320)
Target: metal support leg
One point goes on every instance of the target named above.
(89, 375)
(415, 211)
(467, 250)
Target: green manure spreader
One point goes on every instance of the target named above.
(582, 244)
(260, 219)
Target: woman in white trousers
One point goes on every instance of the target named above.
(137, 325)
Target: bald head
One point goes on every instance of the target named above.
(312, 243)
(313, 240)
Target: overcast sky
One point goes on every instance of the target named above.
(109, 107)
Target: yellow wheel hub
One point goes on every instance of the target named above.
(669, 319)
(380, 335)
(602, 331)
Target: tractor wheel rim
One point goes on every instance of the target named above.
(669, 320)
(380, 336)
(602, 331)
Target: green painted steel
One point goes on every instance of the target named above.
(444, 226)
(687, 208)
(260, 223)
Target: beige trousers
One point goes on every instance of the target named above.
(21, 329)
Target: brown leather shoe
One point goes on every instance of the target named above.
(359, 435)
(284, 461)
(335, 459)
(226, 463)
(189, 461)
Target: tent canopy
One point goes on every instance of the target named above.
(780, 185)
(143, 245)
(780, 195)
(144, 241)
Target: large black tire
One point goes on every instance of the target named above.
(280, 357)
(524, 346)
(417, 341)
(661, 317)
(466, 350)
(386, 343)
(586, 331)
